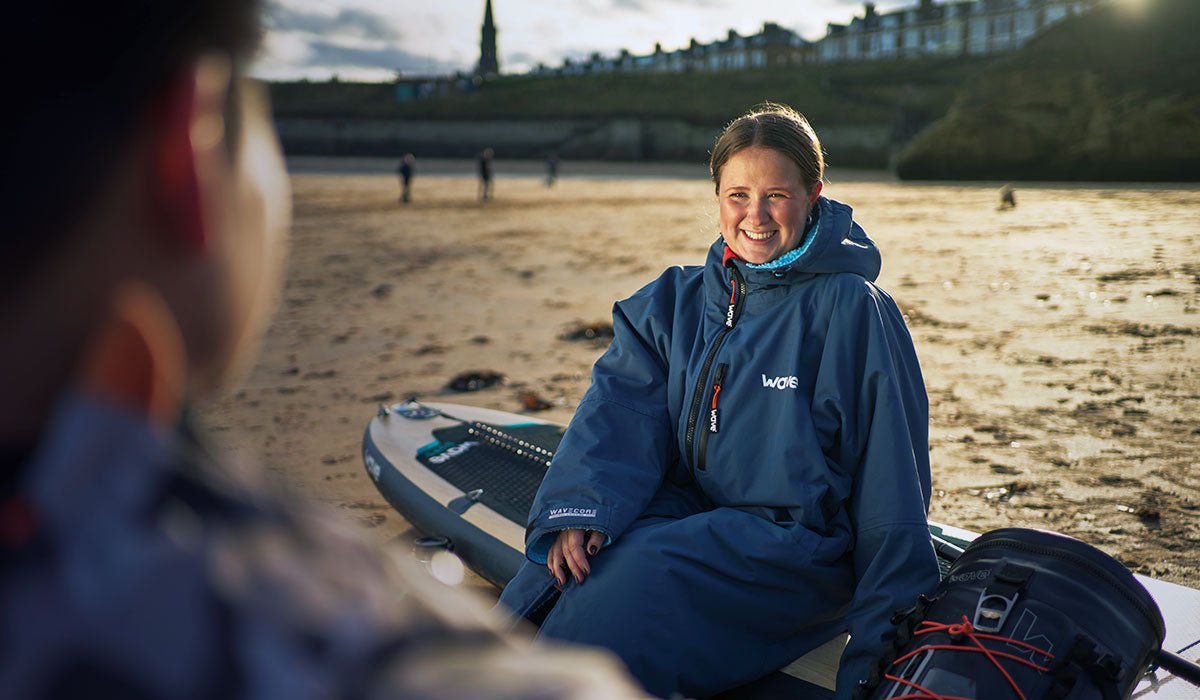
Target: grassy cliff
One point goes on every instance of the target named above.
(1111, 95)
(902, 93)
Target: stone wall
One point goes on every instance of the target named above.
(628, 139)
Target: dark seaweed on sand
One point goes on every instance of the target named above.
(474, 381)
(594, 331)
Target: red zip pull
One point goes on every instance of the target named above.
(714, 414)
(732, 300)
(735, 280)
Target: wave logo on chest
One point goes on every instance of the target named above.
(780, 383)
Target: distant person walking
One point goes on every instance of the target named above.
(1008, 197)
(484, 160)
(551, 169)
(406, 175)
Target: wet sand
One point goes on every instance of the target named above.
(1059, 340)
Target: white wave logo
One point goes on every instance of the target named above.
(781, 383)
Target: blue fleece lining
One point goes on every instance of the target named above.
(794, 254)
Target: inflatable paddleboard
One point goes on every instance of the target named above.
(470, 474)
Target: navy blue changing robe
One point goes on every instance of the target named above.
(754, 445)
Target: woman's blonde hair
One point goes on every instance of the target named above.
(779, 128)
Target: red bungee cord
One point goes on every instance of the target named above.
(965, 629)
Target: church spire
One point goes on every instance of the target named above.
(488, 65)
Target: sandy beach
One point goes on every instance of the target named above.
(1059, 341)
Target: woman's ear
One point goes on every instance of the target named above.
(187, 145)
(816, 192)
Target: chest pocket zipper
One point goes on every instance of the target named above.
(714, 416)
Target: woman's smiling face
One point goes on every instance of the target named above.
(764, 204)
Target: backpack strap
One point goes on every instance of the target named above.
(1082, 658)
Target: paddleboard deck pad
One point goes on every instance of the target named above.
(474, 458)
(470, 475)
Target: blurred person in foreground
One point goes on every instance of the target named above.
(145, 211)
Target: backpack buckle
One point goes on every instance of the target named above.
(999, 597)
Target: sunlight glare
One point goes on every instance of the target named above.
(1133, 7)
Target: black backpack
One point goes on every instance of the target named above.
(1025, 614)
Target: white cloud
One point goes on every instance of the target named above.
(346, 22)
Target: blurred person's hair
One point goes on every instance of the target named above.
(779, 128)
(81, 77)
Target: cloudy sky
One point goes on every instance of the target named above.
(373, 39)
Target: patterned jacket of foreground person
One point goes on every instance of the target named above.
(137, 566)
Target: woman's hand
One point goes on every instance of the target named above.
(568, 553)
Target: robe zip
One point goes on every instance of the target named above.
(714, 416)
(737, 298)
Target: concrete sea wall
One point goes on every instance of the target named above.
(630, 139)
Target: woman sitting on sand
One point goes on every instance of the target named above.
(748, 474)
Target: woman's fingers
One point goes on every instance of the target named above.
(570, 552)
(595, 542)
(573, 553)
(554, 561)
